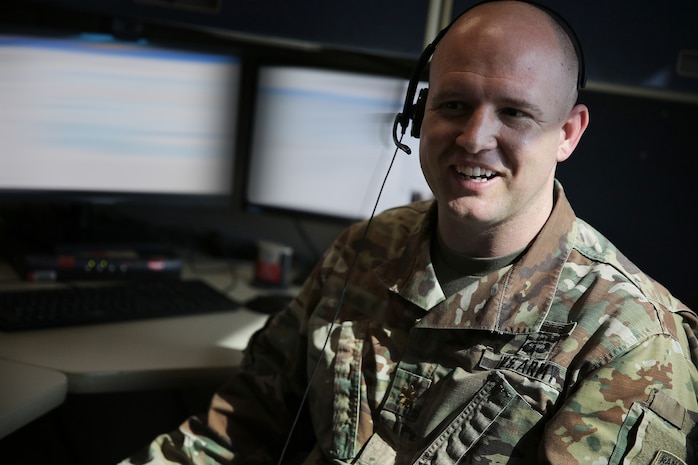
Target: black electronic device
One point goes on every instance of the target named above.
(106, 262)
(108, 302)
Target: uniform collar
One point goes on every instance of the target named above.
(515, 299)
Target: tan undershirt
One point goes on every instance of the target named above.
(455, 270)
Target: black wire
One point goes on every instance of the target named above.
(337, 310)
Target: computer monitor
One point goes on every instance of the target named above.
(93, 120)
(321, 143)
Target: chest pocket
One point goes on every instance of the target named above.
(505, 399)
(490, 426)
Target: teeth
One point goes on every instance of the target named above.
(479, 174)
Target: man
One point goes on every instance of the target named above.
(489, 326)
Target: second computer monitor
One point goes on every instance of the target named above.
(322, 143)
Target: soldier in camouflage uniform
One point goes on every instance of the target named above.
(488, 326)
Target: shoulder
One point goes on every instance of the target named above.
(385, 235)
(391, 240)
(608, 292)
(391, 228)
(615, 267)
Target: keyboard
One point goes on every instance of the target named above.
(108, 302)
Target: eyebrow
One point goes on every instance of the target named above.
(523, 104)
(449, 93)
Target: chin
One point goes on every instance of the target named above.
(462, 210)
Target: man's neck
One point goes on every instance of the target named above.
(474, 239)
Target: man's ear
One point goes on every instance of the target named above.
(572, 129)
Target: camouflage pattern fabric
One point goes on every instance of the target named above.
(570, 355)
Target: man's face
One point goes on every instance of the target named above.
(493, 125)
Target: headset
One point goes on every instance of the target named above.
(414, 111)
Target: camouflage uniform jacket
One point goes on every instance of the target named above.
(570, 355)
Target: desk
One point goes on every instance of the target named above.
(152, 354)
(26, 393)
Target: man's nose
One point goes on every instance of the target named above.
(478, 131)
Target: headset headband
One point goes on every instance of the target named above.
(408, 110)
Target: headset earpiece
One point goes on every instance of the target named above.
(419, 108)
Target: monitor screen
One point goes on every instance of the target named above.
(322, 143)
(100, 120)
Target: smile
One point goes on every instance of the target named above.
(476, 173)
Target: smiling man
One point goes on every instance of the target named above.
(490, 325)
(500, 115)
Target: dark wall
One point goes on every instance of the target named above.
(631, 43)
(377, 25)
(626, 42)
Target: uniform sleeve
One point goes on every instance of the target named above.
(639, 407)
(249, 418)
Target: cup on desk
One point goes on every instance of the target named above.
(273, 266)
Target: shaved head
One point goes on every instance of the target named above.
(529, 25)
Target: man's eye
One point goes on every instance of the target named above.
(513, 112)
(453, 106)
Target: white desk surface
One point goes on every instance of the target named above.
(26, 393)
(149, 354)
